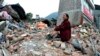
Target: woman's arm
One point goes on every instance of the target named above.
(63, 26)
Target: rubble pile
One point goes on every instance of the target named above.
(18, 38)
(86, 40)
(30, 41)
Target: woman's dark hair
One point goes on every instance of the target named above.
(67, 15)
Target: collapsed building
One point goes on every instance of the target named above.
(15, 11)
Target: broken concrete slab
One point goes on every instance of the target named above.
(2, 25)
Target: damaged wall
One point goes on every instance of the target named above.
(77, 10)
(73, 8)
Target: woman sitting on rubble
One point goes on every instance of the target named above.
(64, 28)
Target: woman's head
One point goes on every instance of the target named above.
(65, 16)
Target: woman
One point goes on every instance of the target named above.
(64, 29)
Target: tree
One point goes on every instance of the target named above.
(29, 16)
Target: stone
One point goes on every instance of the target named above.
(30, 54)
(48, 54)
(50, 43)
(97, 48)
(97, 53)
(2, 25)
(63, 46)
(75, 54)
(89, 52)
(37, 53)
(0, 52)
(2, 38)
(5, 52)
(57, 44)
(67, 51)
(11, 48)
(10, 37)
(15, 55)
(12, 26)
(24, 35)
(98, 42)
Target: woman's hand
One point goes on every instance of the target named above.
(54, 32)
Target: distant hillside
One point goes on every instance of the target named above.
(52, 15)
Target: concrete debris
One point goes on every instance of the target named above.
(2, 38)
(2, 25)
(63, 46)
(35, 42)
(57, 44)
(67, 51)
(76, 54)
